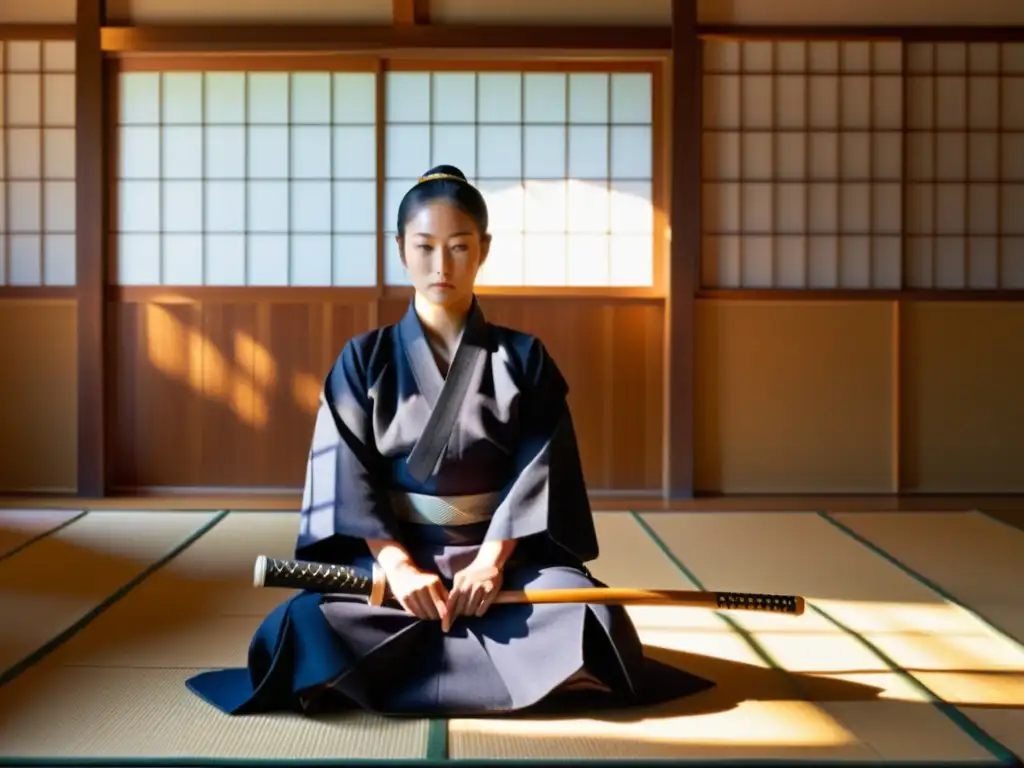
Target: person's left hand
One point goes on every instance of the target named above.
(473, 590)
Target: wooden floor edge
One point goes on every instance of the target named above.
(599, 502)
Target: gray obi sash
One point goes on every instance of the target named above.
(445, 511)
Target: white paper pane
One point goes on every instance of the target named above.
(408, 97)
(823, 212)
(225, 206)
(407, 151)
(355, 260)
(59, 206)
(59, 153)
(24, 203)
(394, 270)
(888, 156)
(499, 97)
(721, 101)
(823, 262)
(224, 261)
(225, 152)
(757, 261)
(454, 97)
(268, 152)
(757, 156)
(824, 101)
(24, 153)
(950, 262)
(855, 263)
(59, 267)
(632, 209)
(355, 207)
(589, 208)
(720, 262)
(721, 207)
(950, 209)
(588, 260)
(267, 259)
(546, 210)
(355, 98)
(888, 96)
(140, 152)
(24, 260)
(355, 152)
(790, 157)
(268, 206)
(983, 155)
(138, 259)
(311, 98)
(631, 152)
(3, 261)
(499, 152)
(721, 155)
(856, 102)
(855, 208)
(311, 152)
(982, 263)
(721, 55)
(139, 206)
(588, 152)
(983, 209)
(951, 103)
(888, 208)
(631, 98)
(790, 101)
(756, 207)
(544, 152)
(1011, 262)
(790, 255)
(59, 100)
(182, 152)
(310, 260)
(758, 101)
(268, 97)
(544, 97)
(504, 265)
(544, 261)
(182, 206)
(139, 98)
(24, 56)
(632, 261)
(855, 156)
(455, 145)
(311, 206)
(950, 156)
(888, 266)
(225, 98)
(505, 205)
(182, 98)
(182, 260)
(59, 55)
(588, 98)
(790, 208)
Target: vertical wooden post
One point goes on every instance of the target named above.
(684, 251)
(90, 220)
(410, 11)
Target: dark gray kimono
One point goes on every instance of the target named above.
(512, 434)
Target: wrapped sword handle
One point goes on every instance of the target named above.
(325, 578)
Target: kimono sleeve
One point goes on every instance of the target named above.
(547, 494)
(343, 503)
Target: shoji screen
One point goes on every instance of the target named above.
(564, 160)
(247, 178)
(37, 163)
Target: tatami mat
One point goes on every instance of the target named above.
(19, 527)
(59, 579)
(116, 688)
(129, 667)
(979, 562)
(753, 713)
(909, 623)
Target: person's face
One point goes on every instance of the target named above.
(443, 250)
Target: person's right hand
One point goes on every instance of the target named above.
(421, 593)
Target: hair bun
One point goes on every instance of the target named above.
(449, 170)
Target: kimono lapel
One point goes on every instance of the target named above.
(445, 394)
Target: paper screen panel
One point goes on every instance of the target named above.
(563, 159)
(965, 169)
(802, 164)
(37, 163)
(247, 178)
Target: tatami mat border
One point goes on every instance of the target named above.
(41, 535)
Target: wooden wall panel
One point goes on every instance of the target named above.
(217, 394)
(963, 389)
(544, 12)
(38, 12)
(38, 391)
(795, 397)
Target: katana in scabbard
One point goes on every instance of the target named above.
(370, 583)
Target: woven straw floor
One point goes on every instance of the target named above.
(908, 653)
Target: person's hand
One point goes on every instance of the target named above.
(474, 589)
(421, 593)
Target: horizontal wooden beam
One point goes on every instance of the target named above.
(952, 33)
(37, 293)
(379, 38)
(847, 295)
(410, 11)
(37, 31)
